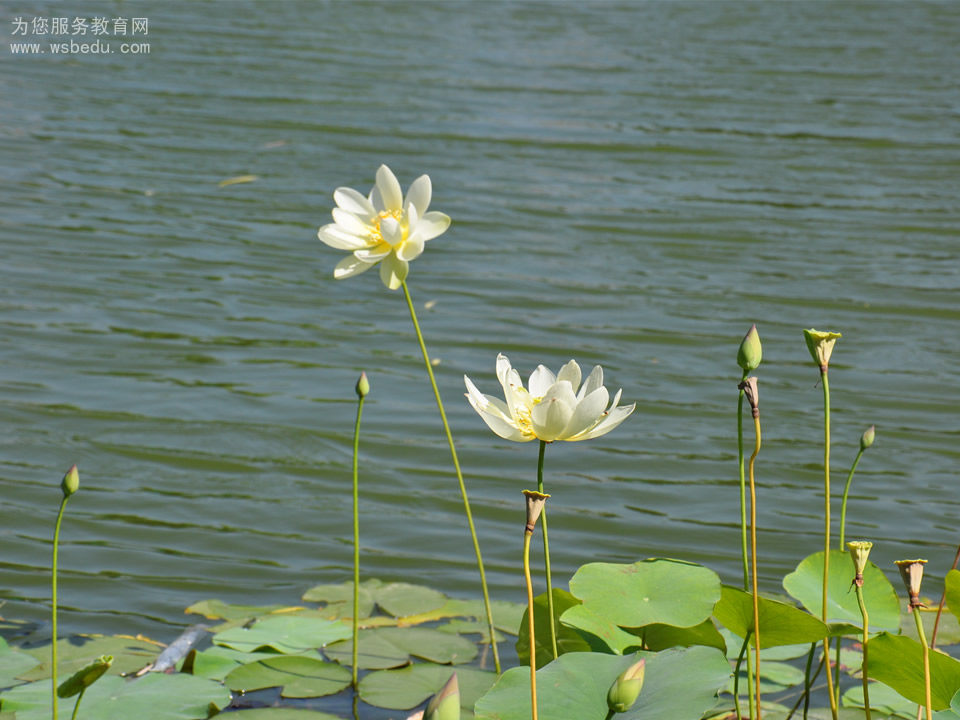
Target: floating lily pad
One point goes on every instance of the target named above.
(373, 653)
(470, 627)
(568, 638)
(391, 647)
(506, 615)
(279, 714)
(287, 634)
(338, 599)
(678, 684)
(219, 610)
(774, 677)
(76, 651)
(157, 695)
(898, 662)
(780, 624)
(396, 599)
(14, 663)
(216, 662)
(408, 687)
(299, 677)
(668, 592)
(805, 584)
(782, 652)
(883, 698)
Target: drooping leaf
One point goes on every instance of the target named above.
(678, 684)
(898, 662)
(661, 637)
(408, 687)
(285, 633)
(568, 639)
(391, 647)
(780, 624)
(299, 677)
(76, 651)
(599, 635)
(668, 592)
(805, 584)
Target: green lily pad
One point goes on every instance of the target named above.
(805, 584)
(506, 615)
(661, 637)
(678, 684)
(338, 599)
(898, 662)
(953, 592)
(14, 663)
(668, 592)
(279, 714)
(470, 627)
(568, 639)
(216, 662)
(285, 633)
(374, 652)
(883, 698)
(300, 677)
(408, 687)
(782, 652)
(780, 624)
(391, 647)
(219, 610)
(599, 635)
(396, 599)
(76, 651)
(947, 634)
(156, 695)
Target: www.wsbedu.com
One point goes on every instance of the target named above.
(75, 48)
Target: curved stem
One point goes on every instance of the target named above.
(753, 558)
(533, 635)
(53, 593)
(546, 553)
(926, 662)
(356, 543)
(743, 489)
(826, 533)
(456, 467)
(807, 682)
(77, 706)
(736, 677)
(943, 598)
(843, 505)
(866, 632)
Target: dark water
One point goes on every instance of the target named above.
(630, 184)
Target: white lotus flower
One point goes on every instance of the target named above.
(555, 407)
(383, 226)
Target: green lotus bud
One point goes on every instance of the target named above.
(820, 345)
(859, 551)
(445, 705)
(866, 440)
(363, 386)
(85, 677)
(750, 352)
(911, 572)
(626, 688)
(535, 503)
(71, 482)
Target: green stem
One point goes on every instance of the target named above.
(53, 588)
(807, 682)
(546, 552)
(866, 632)
(356, 542)
(843, 505)
(743, 489)
(826, 532)
(943, 598)
(463, 487)
(533, 637)
(77, 706)
(736, 680)
(753, 557)
(926, 662)
(836, 671)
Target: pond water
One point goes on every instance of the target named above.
(630, 184)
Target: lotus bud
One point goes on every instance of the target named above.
(752, 392)
(445, 705)
(859, 551)
(85, 677)
(866, 440)
(912, 573)
(363, 386)
(626, 688)
(750, 352)
(71, 482)
(535, 503)
(820, 345)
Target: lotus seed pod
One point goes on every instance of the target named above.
(626, 688)
(71, 482)
(859, 551)
(750, 352)
(866, 440)
(445, 705)
(911, 572)
(820, 344)
(535, 503)
(363, 386)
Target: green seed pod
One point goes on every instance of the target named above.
(859, 551)
(750, 352)
(445, 705)
(85, 677)
(866, 440)
(820, 344)
(71, 482)
(626, 688)
(363, 386)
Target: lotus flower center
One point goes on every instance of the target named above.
(375, 233)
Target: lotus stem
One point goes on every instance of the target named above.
(77, 706)
(362, 388)
(943, 598)
(846, 492)
(546, 553)
(866, 632)
(53, 588)
(926, 661)
(753, 556)
(533, 633)
(743, 489)
(463, 487)
(826, 533)
(736, 679)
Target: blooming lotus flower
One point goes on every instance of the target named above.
(383, 227)
(555, 407)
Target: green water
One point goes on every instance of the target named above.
(630, 184)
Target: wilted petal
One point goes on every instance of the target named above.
(351, 223)
(541, 380)
(571, 373)
(594, 380)
(551, 415)
(336, 237)
(613, 418)
(432, 224)
(387, 194)
(419, 194)
(354, 202)
(589, 413)
(350, 266)
(393, 271)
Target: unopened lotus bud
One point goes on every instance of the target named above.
(820, 344)
(752, 391)
(71, 482)
(866, 440)
(445, 705)
(750, 352)
(363, 386)
(859, 551)
(85, 677)
(626, 688)
(911, 571)
(535, 503)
